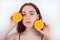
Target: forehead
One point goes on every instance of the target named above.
(28, 8)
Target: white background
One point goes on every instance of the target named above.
(50, 12)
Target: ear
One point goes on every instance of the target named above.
(37, 16)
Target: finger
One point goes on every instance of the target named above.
(47, 26)
(41, 31)
(11, 18)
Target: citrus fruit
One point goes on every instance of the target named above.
(38, 25)
(17, 17)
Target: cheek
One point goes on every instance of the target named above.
(23, 20)
(33, 19)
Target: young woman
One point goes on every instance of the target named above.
(25, 28)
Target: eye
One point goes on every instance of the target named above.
(31, 13)
(23, 14)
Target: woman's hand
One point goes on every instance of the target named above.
(5, 32)
(46, 31)
(12, 24)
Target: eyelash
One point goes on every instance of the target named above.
(25, 14)
(32, 14)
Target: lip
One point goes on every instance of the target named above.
(28, 22)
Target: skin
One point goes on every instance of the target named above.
(29, 17)
(5, 32)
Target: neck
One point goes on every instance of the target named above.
(29, 31)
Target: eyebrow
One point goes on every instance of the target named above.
(31, 11)
(23, 12)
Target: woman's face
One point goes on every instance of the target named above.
(29, 16)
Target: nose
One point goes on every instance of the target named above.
(28, 17)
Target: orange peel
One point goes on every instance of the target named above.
(39, 24)
(17, 17)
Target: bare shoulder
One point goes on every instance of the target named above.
(12, 36)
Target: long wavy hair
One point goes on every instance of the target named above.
(20, 26)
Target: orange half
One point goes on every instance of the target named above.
(38, 25)
(17, 17)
